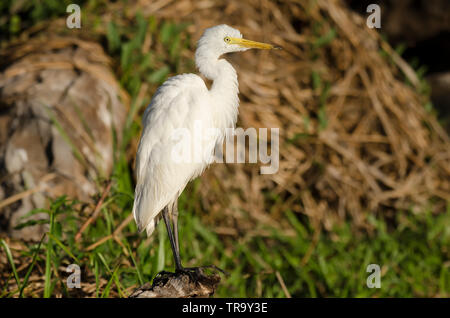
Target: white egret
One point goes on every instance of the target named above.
(178, 105)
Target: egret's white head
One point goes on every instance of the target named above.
(217, 41)
(221, 39)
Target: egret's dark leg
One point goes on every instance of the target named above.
(175, 251)
(175, 224)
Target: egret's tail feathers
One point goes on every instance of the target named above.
(137, 207)
(153, 224)
(139, 214)
(140, 227)
(150, 226)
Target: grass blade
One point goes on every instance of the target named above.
(138, 271)
(65, 248)
(105, 292)
(113, 276)
(11, 261)
(30, 269)
(48, 263)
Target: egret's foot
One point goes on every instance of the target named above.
(195, 272)
(163, 274)
(162, 277)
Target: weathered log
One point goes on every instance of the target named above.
(195, 284)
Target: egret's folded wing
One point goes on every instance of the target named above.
(175, 105)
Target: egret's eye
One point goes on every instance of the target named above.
(227, 39)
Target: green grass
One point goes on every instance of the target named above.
(412, 249)
(413, 256)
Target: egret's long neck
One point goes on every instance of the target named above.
(224, 90)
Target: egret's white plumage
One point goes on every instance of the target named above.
(180, 103)
(176, 104)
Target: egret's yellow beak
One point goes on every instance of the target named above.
(252, 44)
